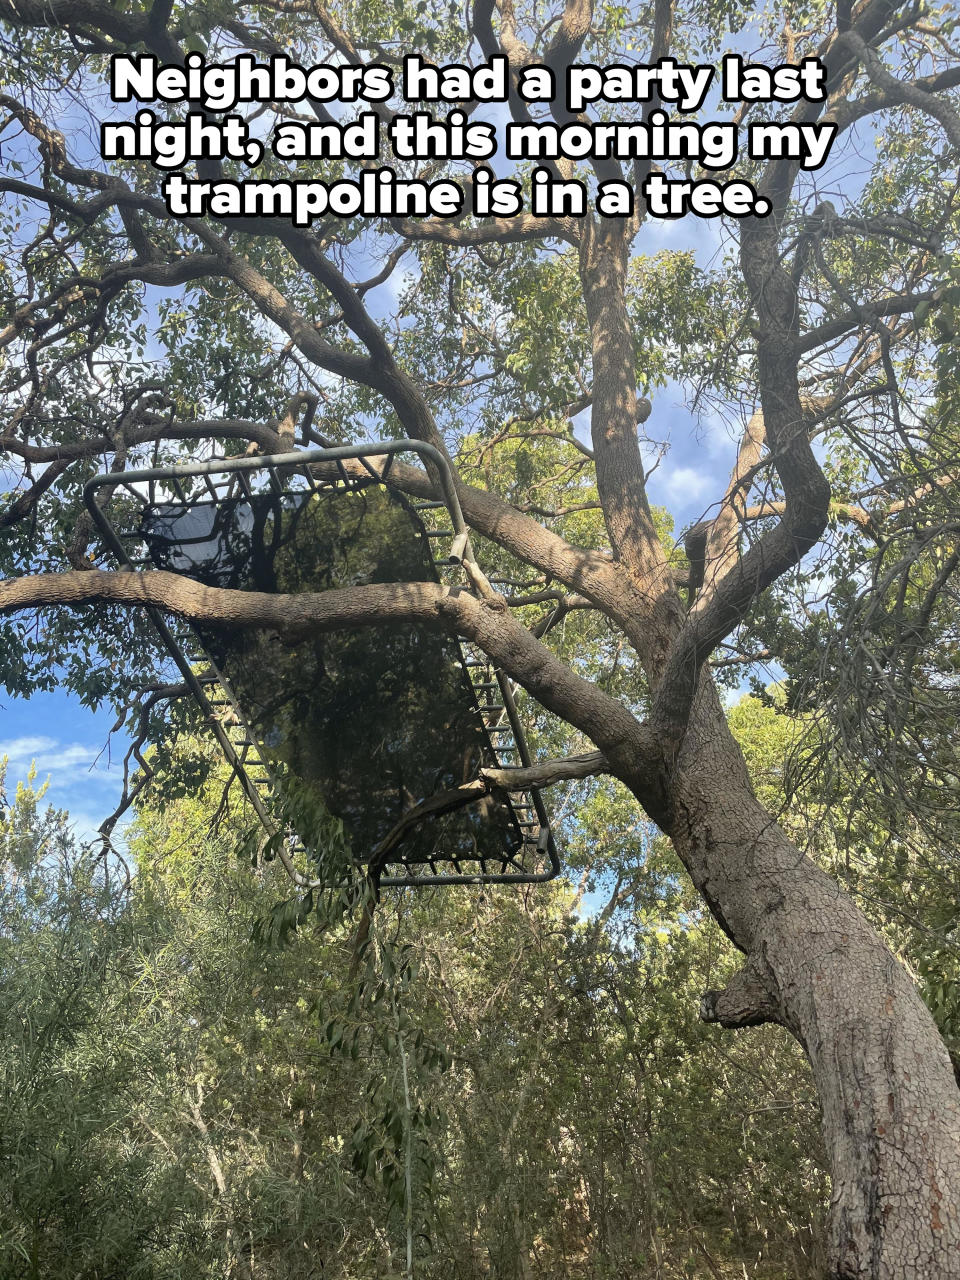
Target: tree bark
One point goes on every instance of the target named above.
(890, 1103)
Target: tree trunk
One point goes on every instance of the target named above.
(890, 1103)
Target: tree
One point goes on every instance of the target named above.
(130, 334)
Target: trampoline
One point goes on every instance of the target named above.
(368, 723)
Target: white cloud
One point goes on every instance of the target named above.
(25, 748)
(71, 756)
(67, 770)
(66, 763)
(661, 227)
(84, 826)
(703, 235)
(684, 484)
(719, 436)
(398, 282)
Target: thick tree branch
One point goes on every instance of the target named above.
(840, 54)
(25, 503)
(263, 434)
(807, 494)
(606, 584)
(894, 305)
(900, 90)
(615, 415)
(78, 16)
(721, 547)
(543, 774)
(746, 1001)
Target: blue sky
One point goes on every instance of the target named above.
(68, 744)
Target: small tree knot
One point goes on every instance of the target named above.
(746, 1001)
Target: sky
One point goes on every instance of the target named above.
(68, 744)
